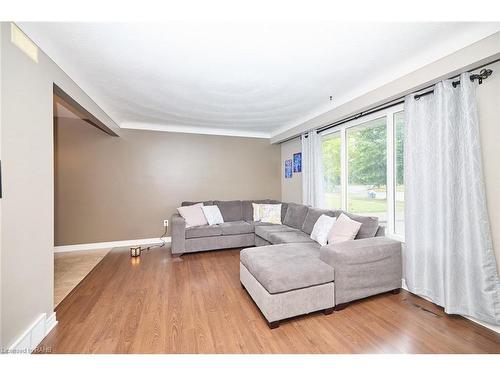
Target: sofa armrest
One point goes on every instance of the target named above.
(178, 234)
(364, 267)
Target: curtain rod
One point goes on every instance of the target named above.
(483, 74)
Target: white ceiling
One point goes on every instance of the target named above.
(250, 79)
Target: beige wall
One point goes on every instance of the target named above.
(291, 188)
(27, 212)
(110, 188)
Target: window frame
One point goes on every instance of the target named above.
(388, 113)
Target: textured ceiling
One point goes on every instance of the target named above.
(239, 78)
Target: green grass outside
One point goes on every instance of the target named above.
(365, 205)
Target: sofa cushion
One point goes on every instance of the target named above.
(295, 215)
(369, 225)
(265, 231)
(231, 210)
(203, 231)
(281, 268)
(205, 203)
(247, 208)
(260, 224)
(312, 216)
(290, 237)
(236, 227)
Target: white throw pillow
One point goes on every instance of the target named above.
(193, 215)
(321, 229)
(344, 229)
(213, 214)
(270, 213)
(256, 211)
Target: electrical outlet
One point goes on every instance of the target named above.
(165, 223)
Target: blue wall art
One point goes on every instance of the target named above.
(288, 168)
(297, 162)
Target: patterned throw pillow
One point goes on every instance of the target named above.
(213, 214)
(344, 229)
(256, 211)
(321, 229)
(270, 213)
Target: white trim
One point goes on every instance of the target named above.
(194, 130)
(104, 245)
(495, 328)
(390, 191)
(34, 334)
(50, 322)
(343, 169)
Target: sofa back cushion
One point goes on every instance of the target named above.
(380, 232)
(205, 203)
(312, 216)
(369, 225)
(295, 215)
(230, 210)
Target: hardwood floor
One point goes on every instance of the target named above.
(195, 304)
(71, 267)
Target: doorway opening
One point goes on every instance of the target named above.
(74, 128)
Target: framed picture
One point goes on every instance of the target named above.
(297, 162)
(288, 168)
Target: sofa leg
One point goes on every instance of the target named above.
(273, 325)
(341, 306)
(177, 255)
(396, 291)
(328, 311)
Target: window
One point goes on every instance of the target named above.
(399, 178)
(331, 169)
(367, 169)
(363, 162)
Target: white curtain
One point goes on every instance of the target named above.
(312, 170)
(449, 252)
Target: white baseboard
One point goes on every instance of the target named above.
(34, 335)
(492, 327)
(104, 245)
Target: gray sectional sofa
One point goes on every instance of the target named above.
(286, 272)
(238, 229)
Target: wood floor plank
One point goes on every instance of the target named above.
(195, 304)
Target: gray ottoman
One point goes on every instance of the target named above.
(287, 280)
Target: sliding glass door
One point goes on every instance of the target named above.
(367, 169)
(363, 164)
(399, 178)
(331, 146)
